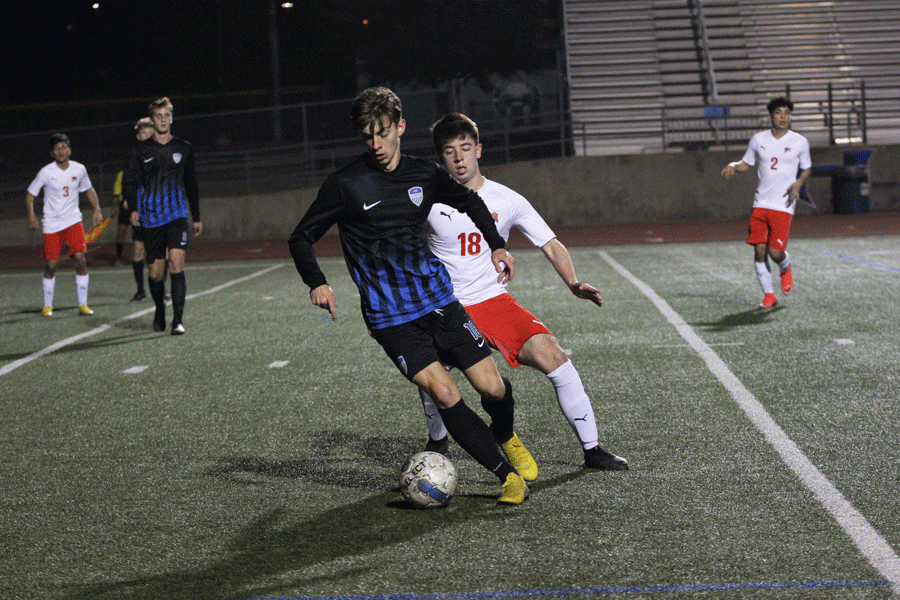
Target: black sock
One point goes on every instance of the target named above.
(501, 412)
(158, 293)
(119, 249)
(179, 293)
(474, 436)
(138, 268)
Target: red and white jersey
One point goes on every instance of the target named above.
(455, 240)
(61, 192)
(777, 163)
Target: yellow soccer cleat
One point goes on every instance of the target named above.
(85, 311)
(47, 312)
(515, 490)
(520, 458)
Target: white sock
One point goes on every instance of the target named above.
(575, 404)
(81, 284)
(765, 277)
(433, 420)
(786, 263)
(48, 285)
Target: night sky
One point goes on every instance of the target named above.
(57, 51)
(67, 50)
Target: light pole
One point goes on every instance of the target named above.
(275, 66)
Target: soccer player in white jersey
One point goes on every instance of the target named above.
(516, 333)
(779, 154)
(63, 181)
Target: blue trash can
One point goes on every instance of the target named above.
(850, 185)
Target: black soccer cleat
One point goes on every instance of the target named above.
(441, 446)
(177, 329)
(159, 322)
(138, 297)
(598, 458)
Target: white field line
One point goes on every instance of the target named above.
(8, 368)
(104, 271)
(871, 544)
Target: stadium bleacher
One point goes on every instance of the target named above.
(636, 74)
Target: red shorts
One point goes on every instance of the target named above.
(73, 236)
(505, 325)
(772, 227)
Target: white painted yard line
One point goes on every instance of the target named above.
(278, 364)
(871, 544)
(103, 271)
(8, 368)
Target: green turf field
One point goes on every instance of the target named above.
(257, 456)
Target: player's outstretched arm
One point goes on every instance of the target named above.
(504, 263)
(735, 167)
(559, 257)
(323, 297)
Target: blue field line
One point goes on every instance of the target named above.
(860, 261)
(597, 591)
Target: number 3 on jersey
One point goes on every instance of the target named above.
(469, 243)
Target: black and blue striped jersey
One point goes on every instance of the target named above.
(381, 217)
(160, 182)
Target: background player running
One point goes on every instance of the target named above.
(516, 333)
(380, 203)
(778, 154)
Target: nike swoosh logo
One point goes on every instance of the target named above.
(368, 206)
(146, 160)
(481, 343)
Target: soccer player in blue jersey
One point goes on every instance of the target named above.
(380, 203)
(160, 186)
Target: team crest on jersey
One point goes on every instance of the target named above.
(416, 195)
(177, 157)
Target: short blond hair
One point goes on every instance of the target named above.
(163, 102)
(143, 123)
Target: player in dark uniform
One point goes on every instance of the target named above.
(161, 189)
(380, 203)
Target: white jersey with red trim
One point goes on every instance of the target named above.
(61, 193)
(777, 163)
(455, 240)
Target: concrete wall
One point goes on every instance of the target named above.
(641, 188)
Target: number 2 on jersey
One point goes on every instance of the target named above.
(469, 243)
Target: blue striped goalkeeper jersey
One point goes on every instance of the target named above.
(381, 217)
(160, 182)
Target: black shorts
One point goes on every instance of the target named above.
(137, 234)
(445, 335)
(157, 240)
(124, 215)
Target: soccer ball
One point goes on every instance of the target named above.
(428, 480)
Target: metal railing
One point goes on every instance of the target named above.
(235, 155)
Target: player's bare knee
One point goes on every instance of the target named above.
(444, 396)
(494, 389)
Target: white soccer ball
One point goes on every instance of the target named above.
(428, 480)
